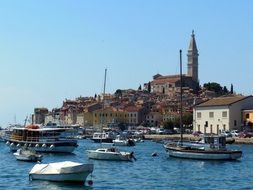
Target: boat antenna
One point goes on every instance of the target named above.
(181, 99)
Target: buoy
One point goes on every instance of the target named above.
(90, 182)
(44, 145)
(154, 154)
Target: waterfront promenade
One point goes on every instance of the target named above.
(190, 137)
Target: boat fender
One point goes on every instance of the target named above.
(90, 182)
(30, 145)
(44, 145)
(7, 143)
(18, 145)
(51, 146)
(12, 144)
(37, 145)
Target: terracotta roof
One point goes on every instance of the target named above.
(222, 101)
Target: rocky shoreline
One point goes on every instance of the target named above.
(190, 137)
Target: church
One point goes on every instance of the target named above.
(170, 84)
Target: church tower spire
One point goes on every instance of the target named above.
(193, 59)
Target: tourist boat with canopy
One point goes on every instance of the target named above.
(213, 148)
(40, 139)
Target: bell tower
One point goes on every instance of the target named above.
(193, 59)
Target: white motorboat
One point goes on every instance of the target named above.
(110, 154)
(103, 137)
(61, 171)
(123, 142)
(24, 154)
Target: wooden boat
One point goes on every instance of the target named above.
(40, 139)
(112, 154)
(61, 171)
(25, 154)
(213, 147)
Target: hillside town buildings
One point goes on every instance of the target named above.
(157, 103)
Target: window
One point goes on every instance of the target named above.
(224, 114)
(198, 115)
(247, 116)
(211, 114)
(235, 122)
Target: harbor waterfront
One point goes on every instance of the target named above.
(160, 172)
(189, 137)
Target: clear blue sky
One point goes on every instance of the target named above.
(52, 50)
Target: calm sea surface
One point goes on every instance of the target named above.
(146, 173)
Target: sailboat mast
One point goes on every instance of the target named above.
(103, 105)
(181, 99)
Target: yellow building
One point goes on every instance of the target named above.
(109, 115)
(247, 116)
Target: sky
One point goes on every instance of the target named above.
(56, 50)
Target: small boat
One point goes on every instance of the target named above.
(25, 154)
(103, 137)
(213, 148)
(67, 171)
(110, 154)
(119, 141)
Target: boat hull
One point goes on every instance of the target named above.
(204, 155)
(52, 147)
(103, 140)
(31, 158)
(75, 173)
(72, 177)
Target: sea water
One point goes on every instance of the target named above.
(160, 172)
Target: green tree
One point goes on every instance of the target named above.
(187, 118)
(149, 87)
(118, 93)
(225, 90)
(139, 87)
(213, 86)
(168, 125)
(231, 89)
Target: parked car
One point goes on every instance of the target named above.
(244, 134)
(235, 133)
(197, 133)
(226, 133)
